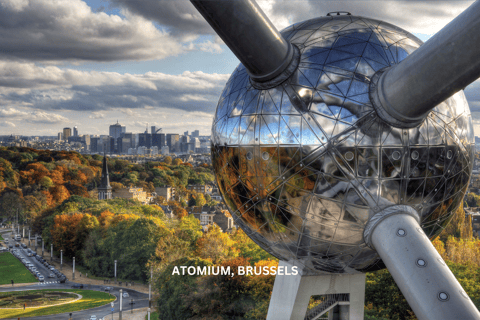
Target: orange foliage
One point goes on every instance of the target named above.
(64, 231)
(57, 176)
(59, 193)
(47, 194)
(123, 217)
(106, 218)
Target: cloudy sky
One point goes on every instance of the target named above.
(90, 63)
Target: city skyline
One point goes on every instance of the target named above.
(154, 62)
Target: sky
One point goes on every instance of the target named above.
(91, 63)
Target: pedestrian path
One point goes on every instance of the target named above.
(48, 282)
(138, 314)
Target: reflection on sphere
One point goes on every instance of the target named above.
(303, 178)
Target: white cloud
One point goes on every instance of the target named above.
(61, 30)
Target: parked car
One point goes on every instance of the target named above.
(108, 289)
(93, 317)
(41, 278)
(125, 295)
(51, 275)
(63, 279)
(23, 245)
(77, 286)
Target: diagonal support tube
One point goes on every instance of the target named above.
(425, 280)
(405, 93)
(248, 32)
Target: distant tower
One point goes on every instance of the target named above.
(75, 131)
(67, 132)
(105, 190)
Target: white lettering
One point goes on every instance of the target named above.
(175, 271)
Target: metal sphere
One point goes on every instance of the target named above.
(303, 166)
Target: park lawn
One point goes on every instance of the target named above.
(90, 299)
(1, 238)
(12, 269)
(153, 316)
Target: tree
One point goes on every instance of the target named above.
(168, 160)
(177, 161)
(11, 202)
(216, 246)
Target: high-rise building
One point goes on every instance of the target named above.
(196, 134)
(67, 132)
(145, 140)
(105, 190)
(172, 141)
(60, 136)
(75, 131)
(116, 131)
(158, 140)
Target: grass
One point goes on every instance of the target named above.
(1, 238)
(12, 269)
(90, 299)
(153, 316)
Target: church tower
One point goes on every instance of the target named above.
(105, 190)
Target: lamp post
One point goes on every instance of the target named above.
(43, 247)
(51, 252)
(148, 314)
(121, 302)
(61, 259)
(29, 237)
(115, 272)
(35, 243)
(150, 289)
(73, 272)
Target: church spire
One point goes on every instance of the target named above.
(105, 190)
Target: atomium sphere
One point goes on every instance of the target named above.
(303, 166)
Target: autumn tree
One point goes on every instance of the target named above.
(216, 245)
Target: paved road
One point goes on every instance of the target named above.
(139, 299)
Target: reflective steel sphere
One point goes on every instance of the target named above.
(303, 166)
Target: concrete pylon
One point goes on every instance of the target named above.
(291, 293)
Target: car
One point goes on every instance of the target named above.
(34, 253)
(108, 289)
(23, 245)
(93, 317)
(51, 275)
(17, 245)
(52, 268)
(6, 240)
(63, 279)
(34, 268)
(125, 295)
(10, 246)
(41, 278)
(77, 286)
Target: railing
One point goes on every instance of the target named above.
(331, 300)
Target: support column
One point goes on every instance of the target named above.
(425, 280)
(291, 293)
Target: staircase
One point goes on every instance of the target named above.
(330, 301)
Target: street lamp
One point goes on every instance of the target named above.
(150, 289)
(51, 252)
(73, 272)
(42, 247)
(121, 302)
(61, 259)
(35, 243)
(115, 272)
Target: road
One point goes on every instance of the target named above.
(139, 299)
